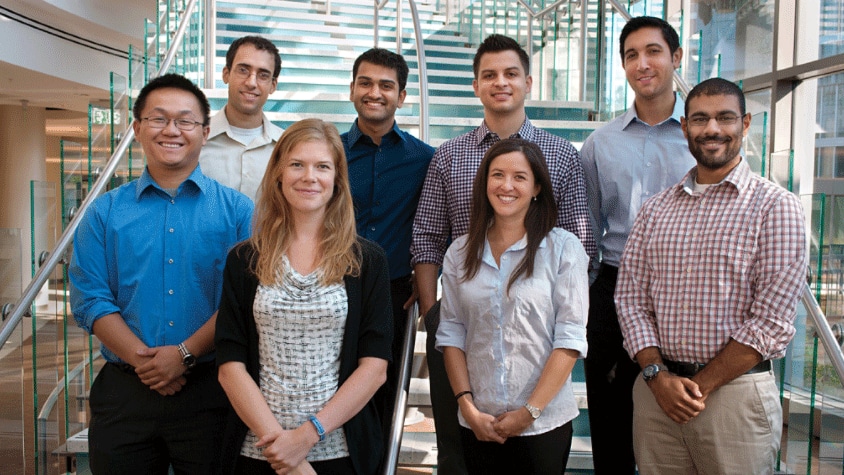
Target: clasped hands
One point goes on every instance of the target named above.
(161, 369)
(680, 398)
(489, 428)
(285, 450)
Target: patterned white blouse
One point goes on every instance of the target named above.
(300, 331)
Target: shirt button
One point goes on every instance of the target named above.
(170, 261)
(503, 258)
(172, 323)
(172, 230)
(172, 202)
(372, 228)
(170, 291)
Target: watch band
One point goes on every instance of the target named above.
(318, 426)
(534, 411)
(188, 359)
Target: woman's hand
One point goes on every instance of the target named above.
(285, 450)
(512, 423)
(482, 425)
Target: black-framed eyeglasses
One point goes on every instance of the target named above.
(161, 122)
(242, 72)
(723, 120)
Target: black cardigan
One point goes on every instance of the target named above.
(369, 332)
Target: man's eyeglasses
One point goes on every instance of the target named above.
(242, 72)
(161, 122)
(723, 120)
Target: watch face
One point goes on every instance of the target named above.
(649, 371)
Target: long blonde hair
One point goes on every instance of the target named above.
(338, 251)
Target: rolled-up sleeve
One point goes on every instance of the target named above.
(91, 295)
(571, 298)
(632, 294)
(431, 227)
(452, 329)
(780, 275)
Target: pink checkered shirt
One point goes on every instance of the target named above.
(699, 270)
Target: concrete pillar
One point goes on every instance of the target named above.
(22, 159)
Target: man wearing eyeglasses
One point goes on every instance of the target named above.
(242, 138)
(707, 296)
(625, 162)
(146, 280)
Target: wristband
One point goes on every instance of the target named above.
(463, 393)
(319, 429)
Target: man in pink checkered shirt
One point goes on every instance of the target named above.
(707, 295)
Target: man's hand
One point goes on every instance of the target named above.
(512, 423)
(680, 398)
(163, 370)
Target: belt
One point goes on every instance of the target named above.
(687, 370)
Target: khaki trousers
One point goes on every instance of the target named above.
(739, 432)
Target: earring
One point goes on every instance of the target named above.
(534, 198)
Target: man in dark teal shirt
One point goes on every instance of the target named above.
(386, 169)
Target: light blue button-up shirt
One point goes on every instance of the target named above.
(156, 259)
(625, 163)
(508, 337)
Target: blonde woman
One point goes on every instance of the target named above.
(304, 329)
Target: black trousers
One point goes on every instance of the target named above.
(450, 459)
(250, 466)
(542, 454)
(135, 430)
(610, 374)
(385, 398)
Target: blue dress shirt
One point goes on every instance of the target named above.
(508, 337)
(625, 163)
(156, 260)
(386, 182)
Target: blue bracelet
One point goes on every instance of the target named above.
(319, 429)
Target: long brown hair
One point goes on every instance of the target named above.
(539, 220)
(339, 251)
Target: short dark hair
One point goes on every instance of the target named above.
(172, 81)
(717, 87)
(261, 44)
(541, 215)
(387, 59)
(637, 23)
(496, 43)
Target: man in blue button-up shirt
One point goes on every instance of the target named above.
(625, 162)
(387, 167)
(146, 279)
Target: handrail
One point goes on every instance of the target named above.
(397, 426)
(678, 80)
(824, 332)
(422, 67)
(23, 304)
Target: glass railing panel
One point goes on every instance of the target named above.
(74, 185)
(47, 339)
(756, 146)
(782, 169)
(118, 122)
(15, 385)
(99, 140)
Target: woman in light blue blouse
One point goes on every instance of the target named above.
(514, 306)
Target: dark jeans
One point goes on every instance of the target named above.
(450, 459)
(250, 466)
(135, 430)
(542, 454)
(610, 374)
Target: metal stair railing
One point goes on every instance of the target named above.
(56, 256)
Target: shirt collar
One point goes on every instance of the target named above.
(519, 245)
(527, 131)
(356, 134)
(740, 177)
(676, 114)
(196, 180)
(219, 124)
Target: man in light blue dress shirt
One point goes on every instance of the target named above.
(625, 162)
(146, 280)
